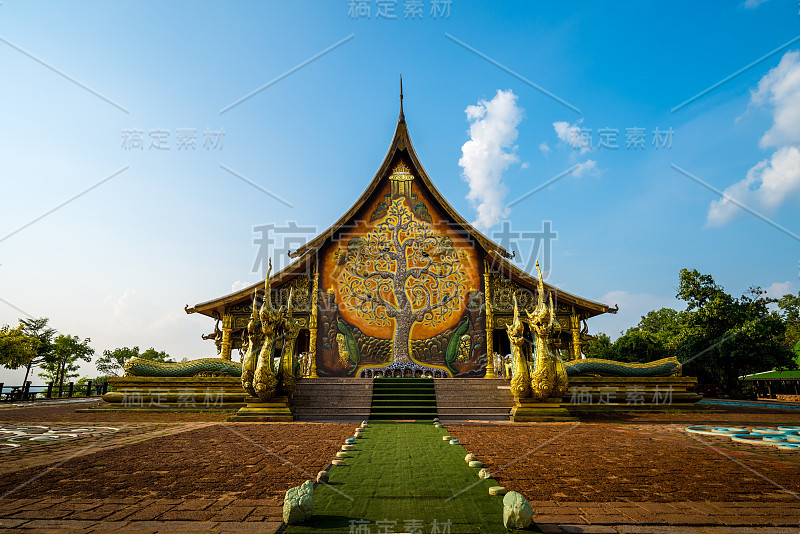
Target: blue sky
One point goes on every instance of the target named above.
(175, 226)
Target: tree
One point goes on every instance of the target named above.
(664, 323)
(67, 351)
(790, 308)
(38, 329)
(402, 272)
(16, 348)
(723, 337)
(600, 347)
(654, 338)
(639, 346)
(718, 338)
(112, 361)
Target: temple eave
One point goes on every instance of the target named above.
(207, 308)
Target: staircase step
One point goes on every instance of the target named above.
(403, 398)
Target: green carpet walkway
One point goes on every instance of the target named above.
(402, 477)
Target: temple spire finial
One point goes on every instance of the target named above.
(402, 116)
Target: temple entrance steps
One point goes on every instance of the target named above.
(332, 399)
(403, 398)
(483, 399)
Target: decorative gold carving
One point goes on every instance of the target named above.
(503, 290)
(520, 383)
(344, 353)
(225, 350)
(465, 348)
(487, 277)
(401, 179)
(502, 321)
(575, 327)
(312, 323)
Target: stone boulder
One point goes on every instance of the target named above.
(298, 504)
(517, 511)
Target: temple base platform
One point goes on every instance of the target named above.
(276, 410)
(609, 394)
(548, 410)
(177, 394)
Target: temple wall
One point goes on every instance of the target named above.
(362, 273)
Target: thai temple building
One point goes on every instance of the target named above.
(401, 285)
(401, 310)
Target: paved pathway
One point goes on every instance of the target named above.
(600, 517)
(229, 515)
(143, 515)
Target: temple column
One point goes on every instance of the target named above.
(312, 323)
(575, 327)
(487, 281)
(227, 327)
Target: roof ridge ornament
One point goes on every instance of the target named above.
(402, 116)
(401, 168)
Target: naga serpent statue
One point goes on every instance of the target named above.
(548, 377)
(276, 325)
(201, 367)
(520, 386)
(253, 341)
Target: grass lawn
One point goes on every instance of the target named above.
(403, 477)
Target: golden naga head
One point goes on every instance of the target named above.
(251, 325)
(516, 329)
(543, 314)
(539, 314)
(267, 304)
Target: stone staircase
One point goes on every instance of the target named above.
(332, 399)
(356, 399)
(403, 398)
(481, 399)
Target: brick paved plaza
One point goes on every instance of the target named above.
(161, 472)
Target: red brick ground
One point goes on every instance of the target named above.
(191, 473)
(629, 462)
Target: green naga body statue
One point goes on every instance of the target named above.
(548, 377)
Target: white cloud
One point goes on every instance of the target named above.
(779, 289)
(544, 147)
(587, 166)
(238, 284)
(767, 185)
(489, 153)
(774, 180)
(570, 134)
(780, 88)
(752, 4)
